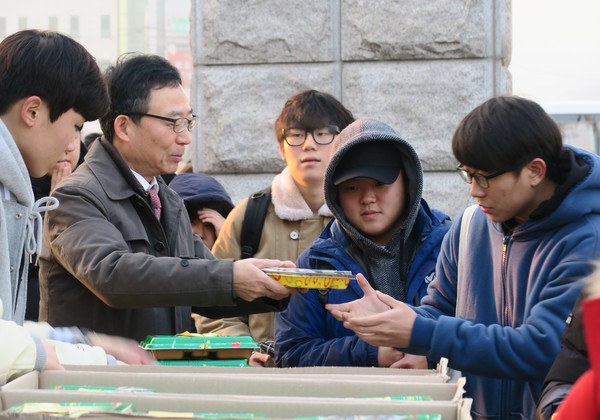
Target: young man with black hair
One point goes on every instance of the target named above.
(523, 257)
(49, 86)
(296, 212)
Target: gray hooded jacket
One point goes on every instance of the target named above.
(387, 266)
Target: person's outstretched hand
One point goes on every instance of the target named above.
(391, 328)
(376, 318)
(250, 282)
(369, 304)
(123, 349)
(52, 362)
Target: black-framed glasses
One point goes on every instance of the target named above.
(482, 180)
(179, 124)
(297, 136)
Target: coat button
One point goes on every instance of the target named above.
(294, 235)
(18, 216)
(185, 263)
(159, 246)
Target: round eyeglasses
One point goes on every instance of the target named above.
(179, 124)
(482, 180)
(296, 136)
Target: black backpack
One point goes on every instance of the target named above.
(254, 220)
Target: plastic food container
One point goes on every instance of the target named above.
(304, 278)
(199, 346)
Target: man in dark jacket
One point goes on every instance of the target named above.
(119, 253)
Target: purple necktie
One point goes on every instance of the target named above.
(155, 201)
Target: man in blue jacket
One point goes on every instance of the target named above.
(524, 254)
(382, 229)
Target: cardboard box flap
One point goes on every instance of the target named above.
(280, 407)
(426, 374)
(304, 386)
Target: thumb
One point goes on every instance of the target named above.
(364, 284)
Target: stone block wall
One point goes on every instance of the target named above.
(417, 65)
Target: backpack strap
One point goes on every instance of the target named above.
(254, 220)
(462, 251)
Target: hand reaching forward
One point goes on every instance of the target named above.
(369, 304)
(52, 362)
(376, 318)
(123, 349)
(250, 283)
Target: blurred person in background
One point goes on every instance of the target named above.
(206, 201)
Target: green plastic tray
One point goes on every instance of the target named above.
(199, 346)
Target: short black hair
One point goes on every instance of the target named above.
(54, 67)
(506, 132)
(312, 109)
(130, 82)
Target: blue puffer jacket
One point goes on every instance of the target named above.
(307, 334)
(517, 290)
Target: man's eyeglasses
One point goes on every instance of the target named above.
(179, 124)
(297, 136)
(482, 180)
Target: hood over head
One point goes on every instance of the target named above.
(201, 190)
(372, 149)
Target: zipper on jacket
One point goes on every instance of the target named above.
(504, 300)
(504, 384)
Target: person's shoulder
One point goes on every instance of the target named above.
(239, 210)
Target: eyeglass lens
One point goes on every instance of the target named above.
(322, 135)
(181, 124)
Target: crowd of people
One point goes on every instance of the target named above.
(98, 250)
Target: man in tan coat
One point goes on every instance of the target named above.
(297, 214)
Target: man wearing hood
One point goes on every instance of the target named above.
(207, 204)
(382, 228)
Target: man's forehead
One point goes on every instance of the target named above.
(170, 100)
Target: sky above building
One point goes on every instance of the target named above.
(556, 50)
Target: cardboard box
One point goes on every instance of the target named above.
(439, 375)
(275, 385)
(281, 396)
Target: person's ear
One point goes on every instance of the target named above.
(30, 110)
(537, 171)
(121, 126)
